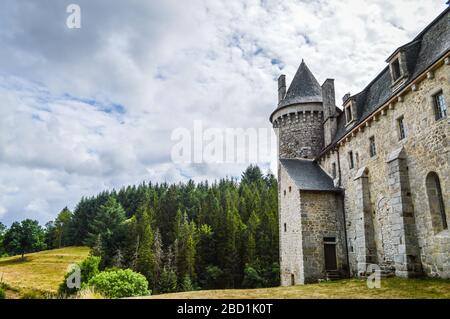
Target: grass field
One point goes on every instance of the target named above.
(43, 272)
(39, 272)
(391, 288)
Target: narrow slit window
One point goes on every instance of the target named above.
(373, 148)
(351, 162)
(401, 128)
(333, 170)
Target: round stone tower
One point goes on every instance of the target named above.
(298, 119)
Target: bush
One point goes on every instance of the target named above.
(252, 279)
(212, 276)
(88, 269)
(120, 284)
(2, 293)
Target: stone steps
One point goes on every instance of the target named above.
(333, 275)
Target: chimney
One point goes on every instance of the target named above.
(329, 99)
(281, 87)
(329, 111)
(346, 97)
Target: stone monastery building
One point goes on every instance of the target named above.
(368, 186)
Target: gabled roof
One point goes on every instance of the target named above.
(427, 48)
(304, 88)
(308, 175)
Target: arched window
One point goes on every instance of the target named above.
(436, 202)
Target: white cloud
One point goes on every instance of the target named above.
(89, 109)
(2, 211)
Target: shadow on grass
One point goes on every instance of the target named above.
(15, 261)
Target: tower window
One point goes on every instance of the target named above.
(351, 163)
(395, 69)
(436, 202)
(401, 128)
(440, 107)
(333, 170)
(290, 189)
(285, 227)
(373, 148)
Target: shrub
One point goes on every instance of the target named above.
(88, 269)
(212, 276)
(2, 293)
(120, 284)
(252, 279)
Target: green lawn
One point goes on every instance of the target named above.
(40, 272)
(391, 288)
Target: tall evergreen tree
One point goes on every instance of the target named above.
(145, 262)
(62, 224)
(107, 220)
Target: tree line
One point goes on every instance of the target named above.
(181, 237)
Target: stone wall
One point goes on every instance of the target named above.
(300, 132)
(291, 253)
(321, 216)
(426, 149)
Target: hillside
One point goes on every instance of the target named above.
(391, 288)
(42, 271)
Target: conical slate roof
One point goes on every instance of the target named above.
(303, 89)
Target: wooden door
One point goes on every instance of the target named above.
(330, 257)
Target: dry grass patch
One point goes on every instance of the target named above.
(392, 288)
(42, 271)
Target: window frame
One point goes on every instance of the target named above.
(396, 70)
(333, 170)
(348, 113)
(401, 128)
(439, 112)
(351, 162)
(372, 146)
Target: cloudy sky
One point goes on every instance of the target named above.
(82, 110)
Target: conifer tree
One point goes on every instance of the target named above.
(145, 261)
